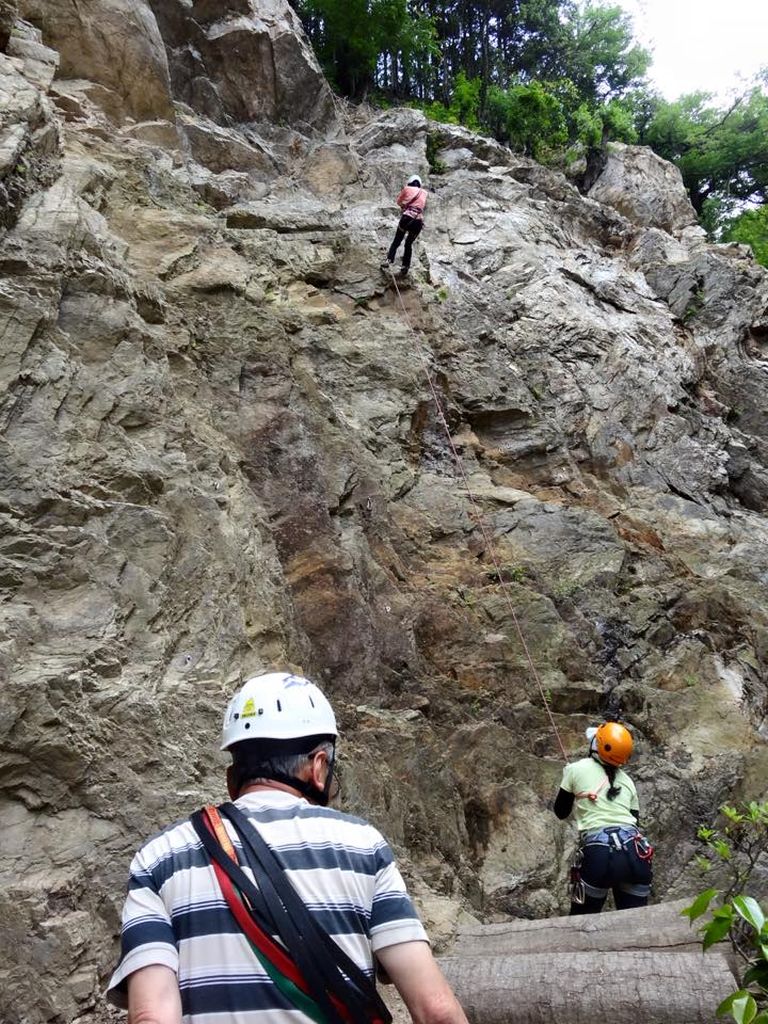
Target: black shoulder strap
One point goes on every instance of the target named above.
(343, 976)
(261, 907)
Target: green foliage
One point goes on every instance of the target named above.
(750, 227)
(466, 100)
(436, 165)
(599, 53)
(464, 107)
(700, 905)
(695, 305)
(737, 842)
(529, 118)
(618, 121)
(507, 574)
(721, 154)
(353, 38)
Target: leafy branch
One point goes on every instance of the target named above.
(737, 846)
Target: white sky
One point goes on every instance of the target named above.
(708, 45)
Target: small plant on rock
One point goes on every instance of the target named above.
(736, 845)
(507, 574)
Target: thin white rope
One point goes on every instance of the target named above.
(480, 520)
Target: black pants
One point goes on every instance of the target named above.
(622, 871)
(408, 228)
(594, 904)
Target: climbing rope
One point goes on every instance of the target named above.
(479, 519)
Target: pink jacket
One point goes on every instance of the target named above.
(412, 201)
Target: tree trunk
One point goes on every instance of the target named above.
(581, 988)
(659, 927)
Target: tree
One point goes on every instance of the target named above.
(721, 154)
(352, 38)
(599, 54)
(642, 965)
(750, 227)
(528, 117)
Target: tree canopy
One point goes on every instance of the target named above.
(722, 153)
(416, 49)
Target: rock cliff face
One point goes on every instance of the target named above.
(220, 453)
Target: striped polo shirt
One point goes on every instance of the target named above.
(175, 914)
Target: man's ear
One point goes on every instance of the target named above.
(232, 789)
(318, 769)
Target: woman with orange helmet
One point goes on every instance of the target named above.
(613, 854)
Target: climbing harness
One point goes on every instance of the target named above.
(576, 888)
(616, 839)
(480, 520)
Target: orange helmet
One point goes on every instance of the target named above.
(613, 743)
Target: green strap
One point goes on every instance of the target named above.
(291, 991)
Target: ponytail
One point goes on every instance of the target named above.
(614, 790)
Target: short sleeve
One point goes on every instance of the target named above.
(393, 915)
(634, 804)
(147, 936)
(567, 780)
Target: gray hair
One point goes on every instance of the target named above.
(290, 764)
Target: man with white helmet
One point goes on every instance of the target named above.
(229, 913)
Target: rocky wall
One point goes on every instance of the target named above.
(220, 453)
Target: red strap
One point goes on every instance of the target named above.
(594, 795)
(258, 936)
(264, 942)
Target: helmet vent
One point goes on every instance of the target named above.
(279, 706)
(311, 702)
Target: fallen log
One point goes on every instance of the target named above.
(659, 928)
(580, 988)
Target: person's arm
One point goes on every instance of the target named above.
(148, 940)
(153, 996)
(565, 798)
(417, 977)
(563, 804)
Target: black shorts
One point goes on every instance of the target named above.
(411, 225)
(615, 864)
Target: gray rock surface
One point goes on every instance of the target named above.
(244, 60)
(648, 190)
(220, 452)
(9, 11)
(115, 43)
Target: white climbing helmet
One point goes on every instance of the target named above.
(415, 180)
(277, 706)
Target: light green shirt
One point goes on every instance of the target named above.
(589, 776)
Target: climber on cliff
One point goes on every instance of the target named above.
(198, 936)
(613, 854)
(412, 202)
